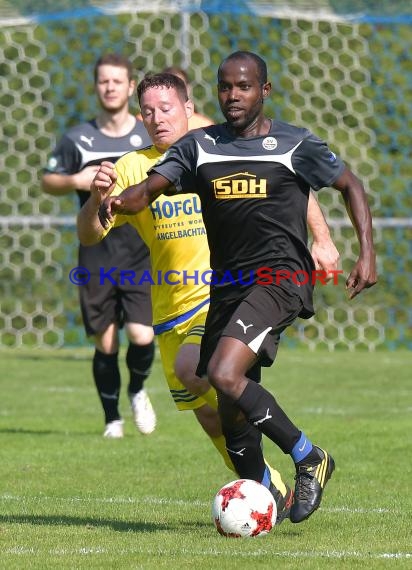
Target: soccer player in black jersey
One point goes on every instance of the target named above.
(105, 304)
(253, 176)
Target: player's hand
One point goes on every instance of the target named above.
(103, 182)
(111, 205)
(362, 276)
(85, 177)
(326, 257)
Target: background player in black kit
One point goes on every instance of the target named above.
(105, 306)
(253, 176)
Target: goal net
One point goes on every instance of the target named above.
(341, 68)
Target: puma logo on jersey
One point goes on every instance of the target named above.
(87, 141)
(209, 138)
(267, 417)
(242, 324)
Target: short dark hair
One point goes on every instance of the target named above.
(260, 63)
(167, 80)
(115, 59)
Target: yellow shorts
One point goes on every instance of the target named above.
(169, 342)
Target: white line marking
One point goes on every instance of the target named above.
(177, 502)
(333, 554)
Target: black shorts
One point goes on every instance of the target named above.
(257, 320)
(104, 303)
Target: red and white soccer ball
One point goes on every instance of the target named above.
(244, 508)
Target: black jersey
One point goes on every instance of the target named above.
(254, 195)
(85, 145)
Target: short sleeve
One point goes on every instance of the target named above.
(315, 163)
(65, 158)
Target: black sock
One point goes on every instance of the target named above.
(262, 411)
(107, 379)
(243, 444)
(139, 360)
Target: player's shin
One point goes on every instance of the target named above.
(263, 412)
(243, 444)
(139, 359)
(107, 379)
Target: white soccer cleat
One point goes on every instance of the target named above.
(143, 412)
(114, 430)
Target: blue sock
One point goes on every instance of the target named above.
(301, 449)
(266, 478)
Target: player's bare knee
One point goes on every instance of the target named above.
(221, 376)
(191, 383)
(139, 334)
(185, 373)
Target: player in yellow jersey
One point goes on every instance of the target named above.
(173, 229)
(174, 232)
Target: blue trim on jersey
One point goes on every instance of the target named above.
(163, 327)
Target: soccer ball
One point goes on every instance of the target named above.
(244, 508)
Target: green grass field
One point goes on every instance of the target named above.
(71, 499)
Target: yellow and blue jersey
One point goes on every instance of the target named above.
(172, 228)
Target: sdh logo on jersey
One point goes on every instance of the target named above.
(240, 185)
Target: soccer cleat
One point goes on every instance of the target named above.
(143, 413)
(310, 482)
(114, 429)
(283, 503)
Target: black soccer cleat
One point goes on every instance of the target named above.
(310, 482)
(283, 503)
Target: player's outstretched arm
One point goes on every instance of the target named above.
(324, 252)
(363, 275)
(62, 184)
(133, 199)
(89, 228)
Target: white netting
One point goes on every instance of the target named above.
(343, 71)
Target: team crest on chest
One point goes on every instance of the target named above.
(136, 140)
(269, 143)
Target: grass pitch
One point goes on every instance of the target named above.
(70, 499)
